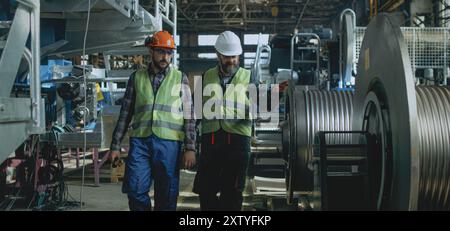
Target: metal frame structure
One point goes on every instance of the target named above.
(267, 16)
(347, 165)
(163, 12)
(316, 48)
(428, 47)
(118, 24)
(21, 117)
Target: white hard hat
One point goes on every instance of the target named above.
(228, 44)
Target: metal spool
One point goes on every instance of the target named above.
(433, 106)
(413, 131)
(309, 111)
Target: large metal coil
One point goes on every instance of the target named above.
(412, 122)
(307, 112)
(433, 108)
(327, 111)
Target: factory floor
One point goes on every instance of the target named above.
(108, 196)
(259, 193)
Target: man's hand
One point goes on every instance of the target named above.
(188, 160)
(114, 157)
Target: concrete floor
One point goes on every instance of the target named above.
(108, 196)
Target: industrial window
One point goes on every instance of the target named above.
(252, 39)
(207, 55)
(249, 55)
(207, 40)
(248, 63)
(252, 55)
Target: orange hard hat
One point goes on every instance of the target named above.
(161, 39)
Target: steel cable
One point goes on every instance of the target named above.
(433, 106)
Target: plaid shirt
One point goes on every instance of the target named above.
(127, 109)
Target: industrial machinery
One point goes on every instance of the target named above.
(21, 117)
(307, 66)
(43, 106)
(385, 147)
(266, 136)
(312, 102)
(25, 171)
(307, 57)
(307, 111)
(409, 126)
(379, 140)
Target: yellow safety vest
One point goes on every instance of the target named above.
(234, 103)
(161, 114)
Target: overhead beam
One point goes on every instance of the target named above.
(185, 15)
(260, 21)
(391, 5)
(211, 49)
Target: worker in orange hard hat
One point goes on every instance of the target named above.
(161, 44)
(158, 131)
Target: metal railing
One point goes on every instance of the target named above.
(256, 69)
(427, 47)
(166, 11)
(344, 77)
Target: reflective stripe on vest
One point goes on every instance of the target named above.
(233, 104)
(160, 115)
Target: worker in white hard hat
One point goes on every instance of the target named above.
(225, 140)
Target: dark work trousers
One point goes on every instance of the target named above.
(152, 159)
(222, 169)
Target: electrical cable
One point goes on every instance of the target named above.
(301, 15)
(85, 105)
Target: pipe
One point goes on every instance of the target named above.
(342, 17)
(260, 49)
(341, 61)
(35, 81)
(174, 4)
(157, 14)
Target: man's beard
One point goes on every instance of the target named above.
(159, 64)
(229, 68)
